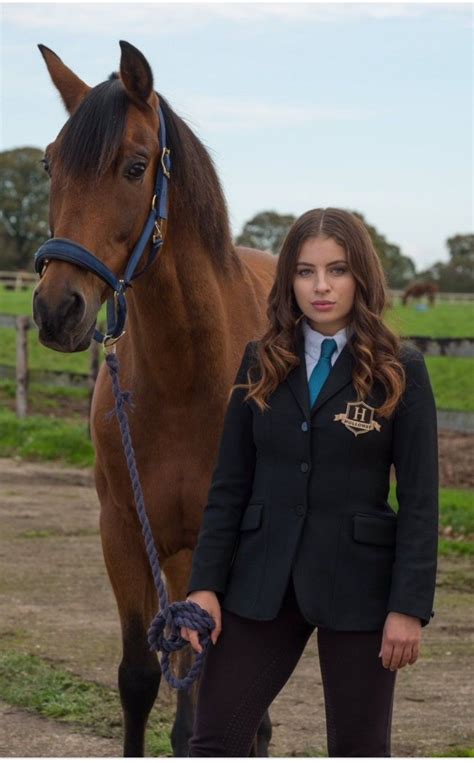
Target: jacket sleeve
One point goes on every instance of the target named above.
(229, 493)
(415, 456)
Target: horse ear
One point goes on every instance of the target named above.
(135, 74)
(71, 89)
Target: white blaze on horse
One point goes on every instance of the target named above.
(189, 317)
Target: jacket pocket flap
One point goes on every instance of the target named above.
(252, 517)
(379, 530)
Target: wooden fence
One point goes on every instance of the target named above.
(445, 346)
(22, 279)
(17, 279)
(22, 374)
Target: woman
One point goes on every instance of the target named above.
(297, 533)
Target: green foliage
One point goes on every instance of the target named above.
(457, 275)
(36, 684)
(266, 231)
(24, 190)
(445, 319)
(456, 511)
(40, 357)
(398, 268)
(45, 438)
(451, 547)
(452, 382)
(457, 752)
(16, 302)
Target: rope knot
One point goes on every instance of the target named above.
(175, 616)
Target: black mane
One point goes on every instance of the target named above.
(90, 143)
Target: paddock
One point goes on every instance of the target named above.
(57, 611)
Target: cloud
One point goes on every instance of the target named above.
(159, 19)
(221, 114)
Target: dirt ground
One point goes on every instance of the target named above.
(56, 602)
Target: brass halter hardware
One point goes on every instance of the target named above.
(164, 153)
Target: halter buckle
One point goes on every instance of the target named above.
(166, 152)
(109, 342)
(157, 232)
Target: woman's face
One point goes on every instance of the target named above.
(323, 285)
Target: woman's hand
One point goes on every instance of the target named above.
(208, 601)
(400, 641)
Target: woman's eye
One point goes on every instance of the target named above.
(339, 271)
(303, 272)
(136, 170)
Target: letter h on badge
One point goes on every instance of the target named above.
(355, 418)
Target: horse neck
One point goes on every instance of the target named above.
(177, 321)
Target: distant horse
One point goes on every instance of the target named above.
(190, 316)
(420, 289)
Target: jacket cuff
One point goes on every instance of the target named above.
(424, 616)
(206, 581)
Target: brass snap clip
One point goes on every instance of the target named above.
(109, 342)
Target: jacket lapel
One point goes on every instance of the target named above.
(340, 375)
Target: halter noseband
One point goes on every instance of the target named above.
(69, 251)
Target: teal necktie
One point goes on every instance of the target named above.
(321, 370)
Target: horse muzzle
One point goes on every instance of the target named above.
(61, 325)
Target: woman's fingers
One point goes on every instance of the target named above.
(414, 654)
(216, 614)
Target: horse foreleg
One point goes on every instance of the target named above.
(139, 680)
(139, 672)
(177, 569)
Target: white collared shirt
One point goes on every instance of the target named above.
(312, 345)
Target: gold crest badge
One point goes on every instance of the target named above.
(358, 418)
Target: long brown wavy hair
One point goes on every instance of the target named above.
(374, 347)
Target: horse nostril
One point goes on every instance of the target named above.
(68, 313)
(78, 305)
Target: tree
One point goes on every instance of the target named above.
(398, 268)
(457, 275)
(24, 191)
(266, 231)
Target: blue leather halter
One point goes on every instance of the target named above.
(69, 251)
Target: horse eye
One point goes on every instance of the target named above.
(46, 166)
(136, 170)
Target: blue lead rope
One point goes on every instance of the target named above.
(171, 616)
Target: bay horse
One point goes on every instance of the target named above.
(418, 289)
(189, 317)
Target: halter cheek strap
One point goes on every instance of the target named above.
(69, 251)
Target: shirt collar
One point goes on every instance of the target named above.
(314, 339)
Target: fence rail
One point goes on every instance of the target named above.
(22, 373)
(17, 279)
(431, 346)
(21, 279)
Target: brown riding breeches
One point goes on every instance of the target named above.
(253, 660)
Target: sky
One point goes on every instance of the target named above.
(367, 106)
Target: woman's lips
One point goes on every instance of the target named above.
(322, 306)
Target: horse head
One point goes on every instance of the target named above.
(102, 167)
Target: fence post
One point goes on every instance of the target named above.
(22, 325)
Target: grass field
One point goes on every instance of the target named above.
(443, 320)
(452, 378)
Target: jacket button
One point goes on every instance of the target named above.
(304, 466)
(299, 511)
(304, 426)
